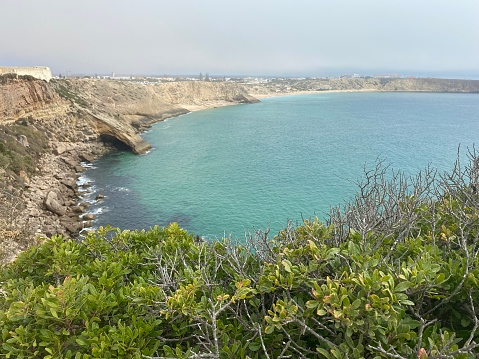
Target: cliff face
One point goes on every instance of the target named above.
(114, 107)
(22, 97)
(191, 94)
(139, 103)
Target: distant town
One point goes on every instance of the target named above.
(206, 77)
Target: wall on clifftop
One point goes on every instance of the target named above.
(39, 72)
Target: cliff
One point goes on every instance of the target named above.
(279, 86)
(26, 96)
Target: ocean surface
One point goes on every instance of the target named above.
(233, 170)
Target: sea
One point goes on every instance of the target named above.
(236, 170)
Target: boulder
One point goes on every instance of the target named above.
(53, 204)
(61, 147)
(23, 140)
(24, 177)
(88, 217)
(86, 157)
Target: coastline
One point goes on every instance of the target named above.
(75, 139)
(60, 173)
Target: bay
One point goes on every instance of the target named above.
(235, 169)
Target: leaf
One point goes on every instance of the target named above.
(269, 329)
(321, 312)
(54, 312)
(254, 346)
(401, 287)
(323, 352)
(81, 342)
(311, 304)
(287, 265)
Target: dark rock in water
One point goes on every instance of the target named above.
(99, 196)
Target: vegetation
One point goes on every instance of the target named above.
(67, 94)
(5, 78)
(21, 144)
(392, 274)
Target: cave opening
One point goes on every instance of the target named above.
(114, 142)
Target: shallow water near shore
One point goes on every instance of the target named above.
(234, 169)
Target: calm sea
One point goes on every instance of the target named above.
(235, 169)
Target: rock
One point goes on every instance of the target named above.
(85, 157)
(52, 203)
(60, 147)
(69, 183)
(77, 209)
(23, 140)
(70, 161)
(84, 205)
(87, 224)
(74, 227)
(88, 217)
(99, 196)
(24, 177)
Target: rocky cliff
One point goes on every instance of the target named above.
(25, 96)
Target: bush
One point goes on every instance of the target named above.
(394, 274)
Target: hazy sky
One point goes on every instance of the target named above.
(256, 37)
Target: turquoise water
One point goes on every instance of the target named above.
(234, 169)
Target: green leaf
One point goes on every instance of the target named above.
(54, 312)
(323, 352)
(311, 304)
(269, 329)
(401, 287)
(254, 346)
(287, 265)
(321, 312)
(81, 342)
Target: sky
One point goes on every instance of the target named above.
(437, 38)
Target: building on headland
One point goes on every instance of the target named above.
(39, 72)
